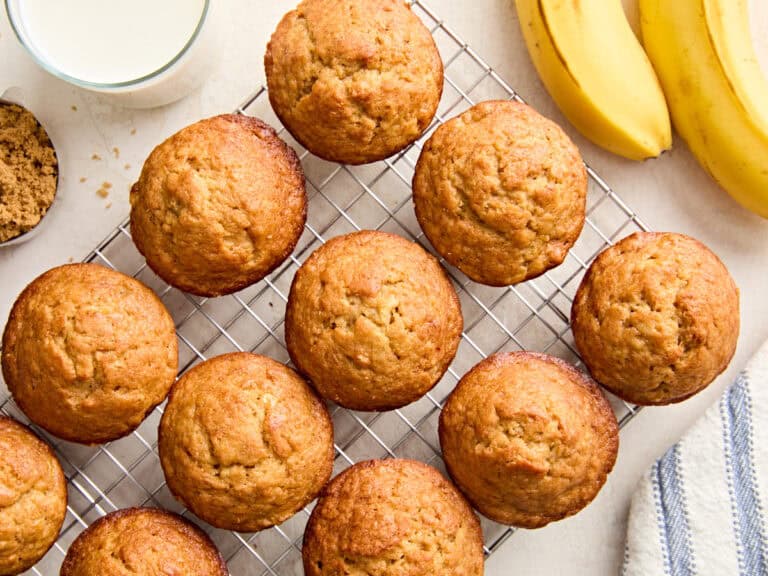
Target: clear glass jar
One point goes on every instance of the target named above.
(173, 80)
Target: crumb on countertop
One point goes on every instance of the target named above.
(116, 152)
(83, 179)
(103, 190)
(74, 108)
(108, 206)
(127, 166)
(133, 131)
(95, 157)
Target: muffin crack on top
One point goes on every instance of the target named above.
(218, 205)
(88, 365)
(656, 318)
(30, 489)
(392, 517)
(643, 302)
(344, 72)
(143, 541)
(244, 442)
(343, 69)
(33, 497)
(500, 192)
(528, 438)
(498, 188)
(88, 352)
(547, 440)
(486, 217)
(382, 317)
(373, 320)
(219, 464)
(353, 80)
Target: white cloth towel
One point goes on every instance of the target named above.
(702, 508)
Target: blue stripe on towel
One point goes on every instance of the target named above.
(728, 453)
(660, 520)
(673, 502)
(748, 522)
(625, 561)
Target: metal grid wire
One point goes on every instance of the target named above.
(529, 316)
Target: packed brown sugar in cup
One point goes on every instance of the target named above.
(28, 171)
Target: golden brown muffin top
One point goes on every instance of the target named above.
(656, 317)
(373, 320)
(244, 442)
(218, 205)
(33, 497)
(500, 191)
(143, 542)
(353, 80)
(88, 352)
(393, 518)
(528, 438)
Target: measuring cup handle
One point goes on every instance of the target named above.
(13, 95)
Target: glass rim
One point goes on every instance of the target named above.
(20, 31)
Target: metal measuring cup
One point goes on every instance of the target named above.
(13, 96)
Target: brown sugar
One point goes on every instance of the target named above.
(28, 171)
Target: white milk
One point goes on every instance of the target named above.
(110, 41)
(110, 45)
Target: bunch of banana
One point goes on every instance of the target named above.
(598, 74)
(717, 93)
(602, 80)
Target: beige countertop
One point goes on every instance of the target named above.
(669, 193)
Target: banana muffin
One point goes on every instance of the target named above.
(528, 438)
(500, 191)
(244, 442)
(33, 497)
(143, 541)
(392, 518)
(88, 352)
(353, 80)
(373, 320)
(218, 205)
(656, 318)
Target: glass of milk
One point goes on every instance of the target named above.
(141, 53)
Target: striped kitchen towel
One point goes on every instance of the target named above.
(702, 508)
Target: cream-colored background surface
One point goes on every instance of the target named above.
(670, 193)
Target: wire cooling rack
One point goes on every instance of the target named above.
(530, 316)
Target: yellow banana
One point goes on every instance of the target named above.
(597, 73)
(717, 94)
